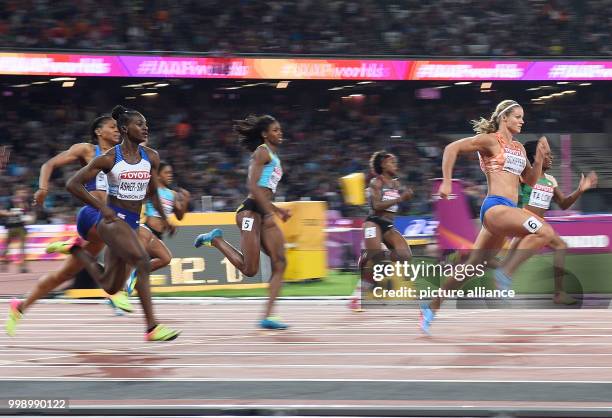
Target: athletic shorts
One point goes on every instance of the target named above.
(494, 200)
(250, 204)
(384, 224)
(159, 235)
(131, 218)
(87, 217)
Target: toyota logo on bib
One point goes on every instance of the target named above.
(135, 175)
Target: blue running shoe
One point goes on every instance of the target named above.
(272, 323)
(502, 280)
(206, 239)
(131, 283)
(426, 316)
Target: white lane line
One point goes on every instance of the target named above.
(296, 366)
(311, 354)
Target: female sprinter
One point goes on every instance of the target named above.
(128, 167)
(385, 197)
(504, 162)
(536, 199)
(255, 216)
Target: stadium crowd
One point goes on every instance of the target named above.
(327, 135)
(371, 27)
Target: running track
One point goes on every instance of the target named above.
(477, 363)
(477, 360)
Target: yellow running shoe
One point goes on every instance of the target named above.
(14, 316)
(64, 247)
(162, 333)
(120, 301)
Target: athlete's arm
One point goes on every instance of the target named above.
(586, 183)
(532, 173)
(76, 183)
(152, 189)
(181, 202)
(71, 155)
(478, 143)
(260, 158)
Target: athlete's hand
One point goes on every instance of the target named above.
(445, 189)
(108, 214)
(588, 182)
(185, 193)
(39, 197)
(168, 227)
(407, 194)
(284, 214)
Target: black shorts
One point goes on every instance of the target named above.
(159, 235)
(384, 224)
(250, 204)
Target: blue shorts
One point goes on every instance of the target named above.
(131, 218)
(494, 200)
(87, 217)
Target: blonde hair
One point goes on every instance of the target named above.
(488, 126)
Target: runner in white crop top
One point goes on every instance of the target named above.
(129, 167)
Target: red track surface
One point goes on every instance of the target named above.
(220, 342)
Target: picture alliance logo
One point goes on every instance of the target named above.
(410, 271)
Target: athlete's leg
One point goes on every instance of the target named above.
(400, 250)
(70, 267)
(485, 247)
(273, 244)
(247, 261)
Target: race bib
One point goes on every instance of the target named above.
(370, 232)
(515, 161)
(247, 224)
(532, 224)
(133, 185)
(391, 195)
(541, 195)
(275, 177)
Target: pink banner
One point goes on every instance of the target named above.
(469, 70)
(298, 68)
(456, 229)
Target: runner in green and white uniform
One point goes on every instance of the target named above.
(537, 200)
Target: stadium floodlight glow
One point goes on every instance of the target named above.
(463, 83)
(68, 84)
(486, 85)
(63, 79)
(149, 94)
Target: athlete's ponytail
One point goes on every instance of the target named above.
(250, 130)
(491, 125)
(123, 115)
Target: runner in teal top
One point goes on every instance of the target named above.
(537, 200)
